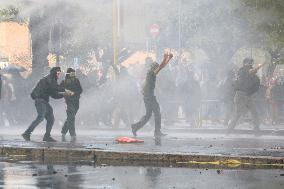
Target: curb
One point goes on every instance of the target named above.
(99, 156)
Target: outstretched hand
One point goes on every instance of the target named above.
(168, 56)
(68, 93)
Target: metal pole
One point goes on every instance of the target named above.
(179, 26)
(115, 31)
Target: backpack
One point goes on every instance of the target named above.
(254, 84)
(36, 90)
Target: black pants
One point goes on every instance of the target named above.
(152, 106)
(44, 111)
(69, 125)
(242, 104)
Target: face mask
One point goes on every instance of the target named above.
(58, 74)
(72, 74)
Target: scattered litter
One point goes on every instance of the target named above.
(92, 146)
(278, 148)
(128, 140)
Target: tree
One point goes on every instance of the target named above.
(266, 17)
(65, 28)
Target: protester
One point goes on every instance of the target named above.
(247, 84)
(190, 95)
(73, 84)
(227, 93)
(150, 101)
(45, 88)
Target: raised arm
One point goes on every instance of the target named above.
(254, 70)
(166, 59)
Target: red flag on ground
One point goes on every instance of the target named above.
(128, 140)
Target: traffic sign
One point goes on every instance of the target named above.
(154, 30)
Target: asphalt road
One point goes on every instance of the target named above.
(29, 175)
(174, 142)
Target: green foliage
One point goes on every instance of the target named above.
(267, 18)
(9, 14)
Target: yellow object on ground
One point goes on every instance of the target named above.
(229, 163)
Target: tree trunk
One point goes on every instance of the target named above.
(40, 36)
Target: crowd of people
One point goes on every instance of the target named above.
(112, 97)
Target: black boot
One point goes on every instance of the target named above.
(73, 139)
(134, 130)
(159, 134)
(48, 138)
(26, 136)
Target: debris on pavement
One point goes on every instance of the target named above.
(128, 140)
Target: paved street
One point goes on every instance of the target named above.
(209, 141)
(29, 175)
(176, 142)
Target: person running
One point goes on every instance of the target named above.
(150, 101)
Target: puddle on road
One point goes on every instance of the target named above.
(36, 175)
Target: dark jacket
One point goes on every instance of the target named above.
(72, 84)
(149, 86)
(48, 87)
(246, 82)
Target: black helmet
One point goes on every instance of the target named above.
(248, 61)
(55, 69)
(69, 70)
(53, 72)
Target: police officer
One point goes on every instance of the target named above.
(73, 84)
(150, 101)
(246, 85)
(45, 88)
